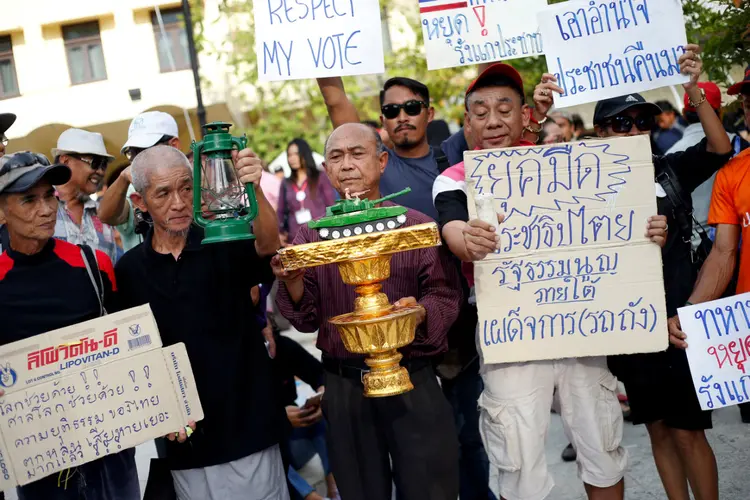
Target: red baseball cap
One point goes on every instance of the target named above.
(497, 69)
(713, 96)
(737, 87)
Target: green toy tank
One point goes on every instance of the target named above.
(354, 217)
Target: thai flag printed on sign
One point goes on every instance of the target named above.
(426, 6)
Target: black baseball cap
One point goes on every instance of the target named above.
(612, 107)
(6, 120)
(19, 172)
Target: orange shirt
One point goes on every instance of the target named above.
(730, 204)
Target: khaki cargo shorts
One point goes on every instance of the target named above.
(515, 417)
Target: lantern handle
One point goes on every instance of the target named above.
(252, 201)
(197, 148)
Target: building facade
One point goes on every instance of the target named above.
(95, 64)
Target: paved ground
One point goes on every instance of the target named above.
(730, 440)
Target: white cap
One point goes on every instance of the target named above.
(75, 140)
(148, 128)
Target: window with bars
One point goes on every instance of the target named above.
(8, 80)
(83, 46)
(172, 43)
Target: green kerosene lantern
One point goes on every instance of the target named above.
(217, 189)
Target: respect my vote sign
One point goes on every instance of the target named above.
(718, 350)
(607, 48)
(575, 274)
(478, 31)
(300, 39)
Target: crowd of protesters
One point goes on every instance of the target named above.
(226, 301)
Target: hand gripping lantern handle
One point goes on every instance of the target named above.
(252, 201)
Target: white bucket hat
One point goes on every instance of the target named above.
(148, 128)
(81, 142)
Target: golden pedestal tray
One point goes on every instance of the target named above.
(375, 327)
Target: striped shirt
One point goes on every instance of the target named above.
(427, 275)
(92, 231)
(449, 196)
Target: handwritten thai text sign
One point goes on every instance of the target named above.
(297, 39)
(575, 274)
(100, 406)
(478, 31)
(718, 350)
(602, 48)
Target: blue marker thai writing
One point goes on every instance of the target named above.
(602, 16)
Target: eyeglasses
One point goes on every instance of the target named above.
(95, 162)
(412, 108)
(624, 124)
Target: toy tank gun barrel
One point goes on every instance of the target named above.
(391, 196)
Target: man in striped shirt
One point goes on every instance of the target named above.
(517, 396)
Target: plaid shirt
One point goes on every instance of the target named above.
(92, 231)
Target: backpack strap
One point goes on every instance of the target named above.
(442, 160)
(89, 260)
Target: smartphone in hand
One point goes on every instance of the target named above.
(313, 401)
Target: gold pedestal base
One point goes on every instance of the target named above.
(387, 377)
(380, 336)
(375, 327)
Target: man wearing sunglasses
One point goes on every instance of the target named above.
(405, 112)
(659, 385)
(147, 130)
(77, 222)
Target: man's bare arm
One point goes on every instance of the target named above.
(340, 108)
(453, 234)
(718, 269)
(114, 208)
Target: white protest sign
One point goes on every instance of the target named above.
(718, 337)
(600, 49)
(575, 274)
(89, 390)
(299, 39)
(478, 31)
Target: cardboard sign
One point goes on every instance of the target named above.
(600, 49)
(718, 350)
(299, 39)
(477, 31)
(79, 393)
(575, 274)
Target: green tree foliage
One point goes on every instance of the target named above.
(722, 28)
(286, 110)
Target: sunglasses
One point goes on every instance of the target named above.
(95, 162)
(3, 140)
(624, 124)
(412, 108)
(132, 152)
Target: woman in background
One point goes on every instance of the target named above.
(305, 195)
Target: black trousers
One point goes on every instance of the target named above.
(409, 440)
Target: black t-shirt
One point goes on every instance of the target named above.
(294, 361)
(49, 290)
(692, 167)
(203, 299)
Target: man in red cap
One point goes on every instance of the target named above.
(517, 396)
